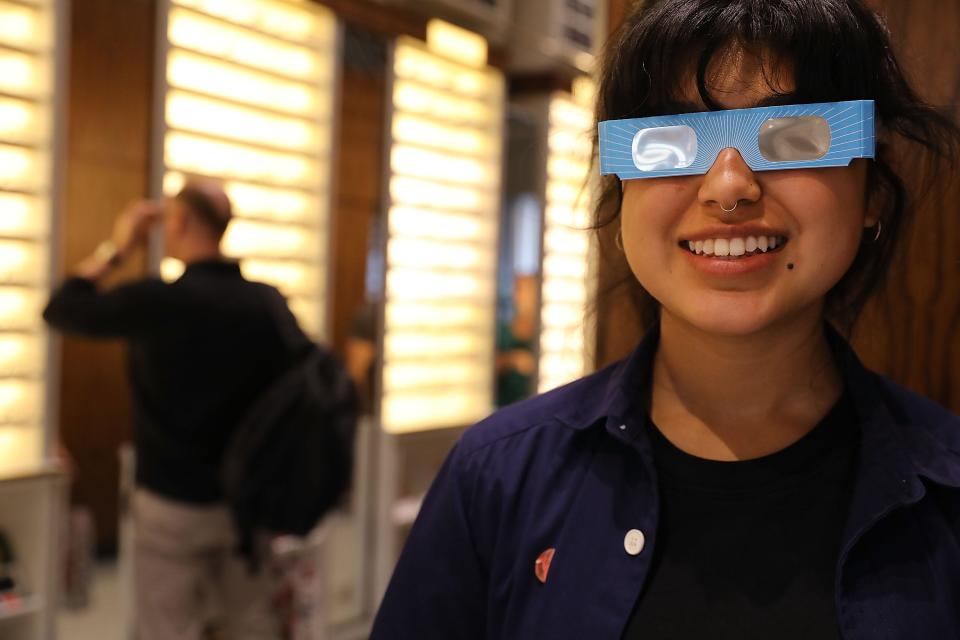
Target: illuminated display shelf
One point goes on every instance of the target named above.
(31, 486)
(247, 97)
(569, 263)
(444, 196)
(27, 65)
(443, 191)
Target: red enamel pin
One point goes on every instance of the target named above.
(542, 566)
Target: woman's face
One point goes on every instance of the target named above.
(817, 217)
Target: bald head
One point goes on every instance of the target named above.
(208, 203)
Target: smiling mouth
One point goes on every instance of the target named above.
(735, 248)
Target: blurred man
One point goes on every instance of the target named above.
(201, 350)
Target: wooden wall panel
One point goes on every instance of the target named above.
(911, 334)
(376, 17)
(619, 327)
(617, 11)
(109, 111)
(359, 170)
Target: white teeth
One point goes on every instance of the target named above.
(735, 247)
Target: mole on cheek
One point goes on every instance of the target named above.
(790, 266)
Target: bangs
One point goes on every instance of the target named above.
(671, 46)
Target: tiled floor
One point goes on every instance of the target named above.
(103, 618)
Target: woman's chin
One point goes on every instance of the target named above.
(732, 326)
(729, 316)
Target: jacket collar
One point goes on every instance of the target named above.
(911, 434)
(903, 437)
(213, 265)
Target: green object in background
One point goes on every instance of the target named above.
(512, 385)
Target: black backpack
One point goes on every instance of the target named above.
(290, 460)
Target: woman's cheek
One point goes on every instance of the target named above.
(833, 229)
(649, 220)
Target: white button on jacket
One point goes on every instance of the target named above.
(633, 541)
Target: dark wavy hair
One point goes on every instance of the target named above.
(836, 49)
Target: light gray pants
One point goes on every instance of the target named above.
(188, 581)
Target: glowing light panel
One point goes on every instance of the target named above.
(22, 121)
(23, 26)
(250, 102)
(24, 74)
(26, 130)
(567, 273)
(442, 232)
(20, 447)
(189, 30)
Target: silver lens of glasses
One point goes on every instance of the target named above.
(795, 138)
(663, 148)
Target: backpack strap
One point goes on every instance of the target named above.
(298, 347)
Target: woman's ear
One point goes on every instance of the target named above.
(873, 198)
(871, 210)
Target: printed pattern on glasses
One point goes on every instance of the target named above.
(851, 127)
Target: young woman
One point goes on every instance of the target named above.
(741, 475)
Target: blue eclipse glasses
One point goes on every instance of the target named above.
(802, 136)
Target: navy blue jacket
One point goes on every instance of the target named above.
(572, 470)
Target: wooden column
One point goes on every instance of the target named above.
(617, 11)
(109, 120)
(358, 201)
(912, 334)
(619, 326)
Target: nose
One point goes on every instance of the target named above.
(730, 183)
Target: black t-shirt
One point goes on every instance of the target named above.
(748, 550)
